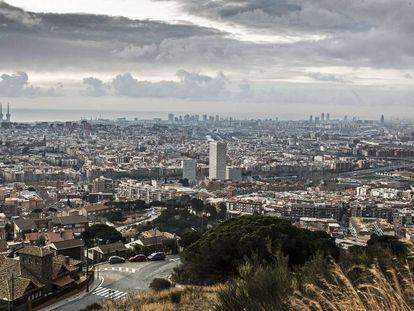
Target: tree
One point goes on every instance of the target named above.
(9, 232)
(115, 216)
(197, 205)
(222, 211)
(159, 284)
(103, 232)
(171, 245)
(189, 237)
(41, 241)
(217, 255)
(210, 209)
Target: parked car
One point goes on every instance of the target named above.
(156, 256)
(116, 259)
(138, 258)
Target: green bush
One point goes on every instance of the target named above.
(159, 284)
(260, 287)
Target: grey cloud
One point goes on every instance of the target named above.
(188, 85)
(17, 85)
(308, 16)
(94, 87)
(328, 77)
(191, 49)
(59, 41)
(15, 17)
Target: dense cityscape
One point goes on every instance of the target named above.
(206, 155)
(350, 178)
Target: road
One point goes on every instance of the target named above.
(121, 279)
(151, 217)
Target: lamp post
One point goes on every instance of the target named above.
(87, 266)
(97, 260)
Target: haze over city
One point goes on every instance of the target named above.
(286, 58)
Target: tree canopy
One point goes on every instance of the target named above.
(217, 255)
(102, 232)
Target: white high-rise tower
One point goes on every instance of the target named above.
(8, 115)
(217, 159)
(1, 113)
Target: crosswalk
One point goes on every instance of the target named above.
(121, 269)
(109, 293)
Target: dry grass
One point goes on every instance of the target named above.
(360, 288)
(392, 290)
(191, 298)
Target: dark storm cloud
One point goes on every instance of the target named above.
(77, 40)
(373, 33)
(308, 16)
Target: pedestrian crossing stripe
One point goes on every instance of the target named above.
(109, 293)
(120, 269)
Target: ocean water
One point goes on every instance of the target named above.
(37, 115)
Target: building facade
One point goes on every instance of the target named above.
(217, 160)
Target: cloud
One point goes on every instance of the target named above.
(328, 77)
(79, 41)
(307, 16)
(94, 87)
(17, 85)
(16, 16)
(189, 86)
(408, 76)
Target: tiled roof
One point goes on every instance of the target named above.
(10, 269)
(69, 220)
(25, 224)
(67, 244)
(35, 251)
(109, 248)
(95, 207)
(59, 263)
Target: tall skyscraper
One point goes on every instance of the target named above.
(311, 119)
(382, 119)
(8, 114)
(322, 117)
(328, 116)
(189, 170)
(217, 160)
(171, 117)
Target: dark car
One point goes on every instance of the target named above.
(138, 258)
(156, 256)
(116, 259)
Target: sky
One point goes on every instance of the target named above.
(286, 58)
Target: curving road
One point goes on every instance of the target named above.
(118, 281)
